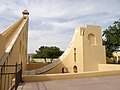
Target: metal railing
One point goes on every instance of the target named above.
(10, 76)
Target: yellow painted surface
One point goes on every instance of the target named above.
(109, 67)
(45, 77)
(17, 47)
(85, 57)
(94, 54)
(11, 31)
(85, 52)
(2, 45)
(35, 66)
(13, 47)
(16, 42)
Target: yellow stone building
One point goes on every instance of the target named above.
(116, 55)
(13, 51)
(85, 53)
(85, 56)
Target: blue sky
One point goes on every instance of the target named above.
(52, 22)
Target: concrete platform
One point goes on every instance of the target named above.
(100, 83)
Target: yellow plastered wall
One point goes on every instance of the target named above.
(16, 37)
(46, 77)
(2, 45)
(32, 66)
(13, 48)
(10, 32)
(109, 67)
(93, 50)
(85, 52)
(68, 61)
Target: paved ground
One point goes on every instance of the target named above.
(102, 83)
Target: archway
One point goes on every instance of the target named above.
(64, 70)
(92, 39)
(75, 69)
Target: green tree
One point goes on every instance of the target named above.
(48, 52)
(112, 38)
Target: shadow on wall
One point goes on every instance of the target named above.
(33, 66)
(60, 68)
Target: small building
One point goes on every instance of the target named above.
(116, 55)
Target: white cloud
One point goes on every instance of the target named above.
(38, 38)
(52, 22)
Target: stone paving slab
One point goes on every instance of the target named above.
(100, 83)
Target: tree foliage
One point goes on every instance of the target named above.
(112, 38)
(48, 52)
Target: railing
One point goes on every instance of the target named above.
(10, 76)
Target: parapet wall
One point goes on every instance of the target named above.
(46, 77)
(109, 67)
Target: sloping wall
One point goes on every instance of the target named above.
(2, 45)
(13, 43)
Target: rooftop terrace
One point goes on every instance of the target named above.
(100, 83)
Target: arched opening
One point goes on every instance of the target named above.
(92, 39)
(75, 69)
(64, 70)
(74, 54)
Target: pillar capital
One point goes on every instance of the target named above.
(25, 13)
